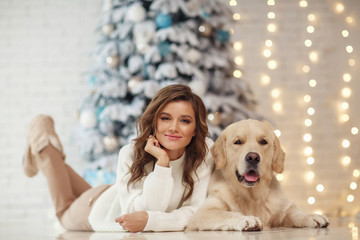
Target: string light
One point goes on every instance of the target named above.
(310, 176)
(339, 8)
(308, 43)
(312, 83)
(350, 198)
(275, 93)
(238, 46)
(320, 188)
(353, 185)
(268, 43)
(349, 49)
(272, 64)
(345, 143)
(310, 160)
(310, 29)
(308, 151)
(237, 73)
(307, 98)
(272, 27)
(347, 77)
(265, 80)
(280, 177)
(307, 122)
(236, 16)
(356, 173)
(233, 3)
(311, 200)
(303, 3)
(307, 137)
(346, 161)
(354, 130)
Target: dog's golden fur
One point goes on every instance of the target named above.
(243, 192)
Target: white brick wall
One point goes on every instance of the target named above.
(43, 54)
(44, 48)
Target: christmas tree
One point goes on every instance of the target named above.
(143, 47)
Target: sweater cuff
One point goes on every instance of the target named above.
(149, 225)
(162, 170)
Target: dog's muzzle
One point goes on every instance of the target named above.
(251, 176)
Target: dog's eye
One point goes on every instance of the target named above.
(263, 142)
(238, 142)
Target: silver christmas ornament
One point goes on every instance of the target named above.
(107, 29)
(134, 83)
(205, 29)
(110, 143)
(215, 118)
(113, 61)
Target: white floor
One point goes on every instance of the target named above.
(342, 229)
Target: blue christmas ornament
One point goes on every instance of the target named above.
(164, 49)
(91, 82)
(222, 36)
(204, 13)
(163, 20)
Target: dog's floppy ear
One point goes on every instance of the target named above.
(279, 156)
(218, 151)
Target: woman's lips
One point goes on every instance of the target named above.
(173, 137)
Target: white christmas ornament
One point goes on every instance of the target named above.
(107, 29)
(193, 55)
(110, 143)
(134, 84)
(88, 119)
(136, 13)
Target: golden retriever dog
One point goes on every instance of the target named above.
(244, 193)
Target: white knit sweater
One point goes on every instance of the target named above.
(160, 194)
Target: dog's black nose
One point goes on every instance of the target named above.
(252, 158)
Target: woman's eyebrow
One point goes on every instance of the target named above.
(168, 114)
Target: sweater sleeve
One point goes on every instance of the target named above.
(178, 219)
(152, 193)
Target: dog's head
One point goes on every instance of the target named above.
(248, 151)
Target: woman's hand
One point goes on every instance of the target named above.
(133, 222)
(153, 147)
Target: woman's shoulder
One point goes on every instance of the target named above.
(127, 152)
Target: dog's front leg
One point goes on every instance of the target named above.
(216, 219)
(213, 216)
(295, 217)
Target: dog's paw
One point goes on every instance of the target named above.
(249, 223)
(316, 221)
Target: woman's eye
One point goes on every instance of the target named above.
(164, 118)
(185, 121)
(263, 142)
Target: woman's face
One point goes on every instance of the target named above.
(175, 127)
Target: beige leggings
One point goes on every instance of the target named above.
(72, 196)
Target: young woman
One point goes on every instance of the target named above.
(162, 176)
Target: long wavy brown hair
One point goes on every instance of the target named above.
(146, 125)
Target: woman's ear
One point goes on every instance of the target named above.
(218, 151)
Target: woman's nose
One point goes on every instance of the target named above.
(173, 126)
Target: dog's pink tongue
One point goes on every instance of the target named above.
(251, 177)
